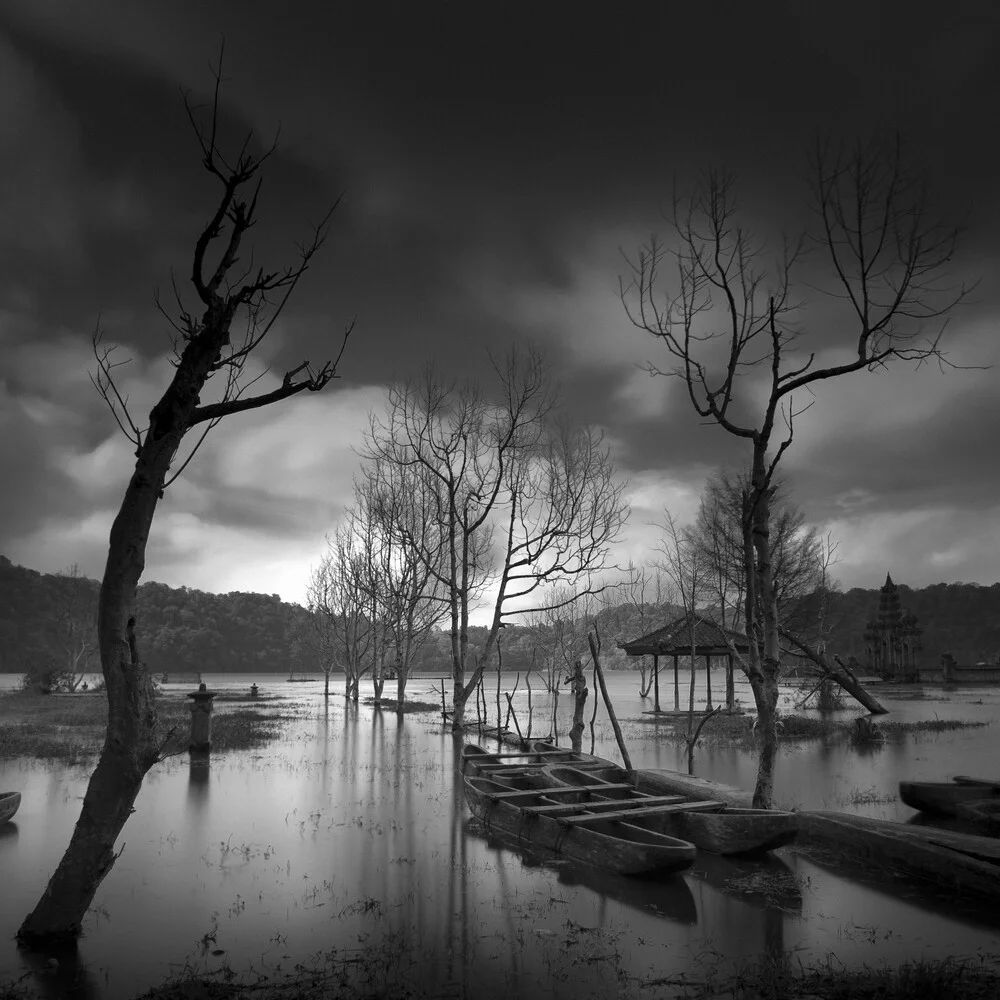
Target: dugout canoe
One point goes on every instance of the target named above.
(573, 832)
(942, 798)
(655, 781)
(726, 830)
(9, 803)
(523, 765)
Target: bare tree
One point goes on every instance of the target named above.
(519, 501)
(74, 634)
(228, 293)
(723, 317)
(338, 591)
(796, 549)
(409, 595)
(315, 638)
(634, 606)
(681, 563)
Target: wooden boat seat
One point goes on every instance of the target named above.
(604, 804)
(627, 814)
(567, 790)
(528, 754)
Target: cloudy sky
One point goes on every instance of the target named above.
(496, 162)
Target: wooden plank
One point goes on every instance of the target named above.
(605, 805)
(627, 814)
(495, 756)
(500, 796)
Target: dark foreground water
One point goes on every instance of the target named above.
(351, 834)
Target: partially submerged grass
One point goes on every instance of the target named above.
(770, 978)
(738, 729)
(927, 725)
(391, 705)
(387, 972)
(72, 729)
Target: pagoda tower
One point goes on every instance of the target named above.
(892, 640)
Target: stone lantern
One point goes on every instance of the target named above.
(201, 718)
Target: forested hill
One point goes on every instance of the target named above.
(180, 629)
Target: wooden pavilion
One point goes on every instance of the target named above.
(708, 638)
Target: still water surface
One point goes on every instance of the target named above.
(352, 831)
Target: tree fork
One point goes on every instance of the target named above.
(130, 747)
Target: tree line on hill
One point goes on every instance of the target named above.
(46, 624)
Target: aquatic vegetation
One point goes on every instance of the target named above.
(928, 725)
(71, 728)
(770, 978)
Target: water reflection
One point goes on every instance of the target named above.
(352, 829)
(59, 974)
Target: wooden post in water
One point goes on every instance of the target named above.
(677, 686)
(656, 682)
(607, 702)
(578, 685)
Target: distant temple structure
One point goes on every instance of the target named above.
(892, 641)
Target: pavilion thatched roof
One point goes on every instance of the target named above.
(675, 639)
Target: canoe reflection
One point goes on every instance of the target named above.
(666, 895)
(766, 883)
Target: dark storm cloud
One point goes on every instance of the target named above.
(492, 161)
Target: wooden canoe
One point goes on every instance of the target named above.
(525, 767)
(983, 814)
(600, 841)
(9, 803)
(722, 830)
(964, 779)
(656, 781)
(943, 797)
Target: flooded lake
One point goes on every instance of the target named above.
(351, 834)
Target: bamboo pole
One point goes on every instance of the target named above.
(607, 702)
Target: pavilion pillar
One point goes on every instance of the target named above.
(656, 682)
(708, 681)
(730, 689)
(677, 686)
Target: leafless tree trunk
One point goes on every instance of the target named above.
(722, 316)
(337, 591)
(519, 501)
(578, 685)
(409, 596)
(205, 348)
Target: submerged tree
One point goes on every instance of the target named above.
(797, 550)
(730, 324)
(207, 347)
(517, 500)
(408, 596)
(337, 594)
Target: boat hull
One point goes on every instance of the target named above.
(618, 847)
(942, 798)
(729, 831)
(655, 781)
(9, 804)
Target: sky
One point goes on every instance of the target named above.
(497, 165)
